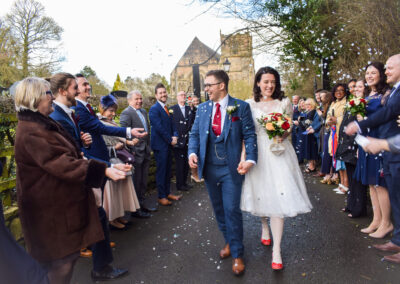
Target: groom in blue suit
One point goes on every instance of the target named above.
(222, 128)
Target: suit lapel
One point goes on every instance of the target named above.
(228, 120)
(209, 108)
(72, 123)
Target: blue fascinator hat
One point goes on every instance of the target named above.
(108, 101)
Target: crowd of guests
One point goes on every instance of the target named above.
(324, 131)
(80, 173)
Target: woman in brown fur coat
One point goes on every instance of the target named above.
(56, 203)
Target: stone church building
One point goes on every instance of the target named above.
(238, 49)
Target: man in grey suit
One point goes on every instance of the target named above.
(134, 114)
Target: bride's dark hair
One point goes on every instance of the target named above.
(278, 93)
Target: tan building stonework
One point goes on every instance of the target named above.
(237, 49)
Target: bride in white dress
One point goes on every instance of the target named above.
(274, 187)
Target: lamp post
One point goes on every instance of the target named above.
(227, 65)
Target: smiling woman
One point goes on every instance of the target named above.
(57, 210)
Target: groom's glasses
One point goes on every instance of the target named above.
(209, 85)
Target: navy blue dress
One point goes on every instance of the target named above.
(369, 167)
(311, 145)
(301, 139)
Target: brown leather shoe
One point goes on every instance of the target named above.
(174, 197)
(225, 252)
(86, 253)
(164, 202)
(389, 246)
(238, 266)
(393, 258)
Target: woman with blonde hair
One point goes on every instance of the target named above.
(311, 125)
(54, 184)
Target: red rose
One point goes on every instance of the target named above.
(352, 103)
(363, 101)
(285, 125)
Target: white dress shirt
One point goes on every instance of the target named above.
(182, 109)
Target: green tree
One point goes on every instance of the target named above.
(118, 85)
(9, 72)
(36, 34)
(87, 71)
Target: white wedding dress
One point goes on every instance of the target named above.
(275, 186)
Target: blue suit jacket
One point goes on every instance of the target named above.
(91, 124)
(235, 132)
(316, 125)
(385, 118)
(62, 118)
(162, 128)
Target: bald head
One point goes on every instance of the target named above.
(393, 69)
(295, 99)
(181, 98)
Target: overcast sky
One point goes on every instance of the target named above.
(133, 37)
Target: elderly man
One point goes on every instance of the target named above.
(135, 116)
(386, 118)
(183, 119)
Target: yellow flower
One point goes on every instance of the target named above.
(269, 126)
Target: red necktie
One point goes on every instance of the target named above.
(74, 119)
(166, 110)
(216, 125)
(91, 109)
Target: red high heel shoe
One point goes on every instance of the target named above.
(277, 266)
(266, 242)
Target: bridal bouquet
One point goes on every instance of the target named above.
(275, 124)
(356, 106)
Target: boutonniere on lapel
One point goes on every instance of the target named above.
(231, 110)
(171, 111)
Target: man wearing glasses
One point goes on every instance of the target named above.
(215, 145)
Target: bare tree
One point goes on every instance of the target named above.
(37, 35)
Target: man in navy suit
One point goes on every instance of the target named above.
(65, 89)
(89, 122)
(163, 138)
(182, 118)
(385, 119)
(221, 127)
(63, 114)
(296, 113)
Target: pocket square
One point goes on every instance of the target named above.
(235, 118)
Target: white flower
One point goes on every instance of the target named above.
(171, 111)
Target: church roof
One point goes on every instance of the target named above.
(198, 52)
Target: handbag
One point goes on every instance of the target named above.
(115, 160)
(125, 156)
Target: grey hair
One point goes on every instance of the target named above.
(131, 93)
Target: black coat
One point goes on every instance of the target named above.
(347, 147)
(183, 124)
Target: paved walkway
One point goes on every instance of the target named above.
(180, 244)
